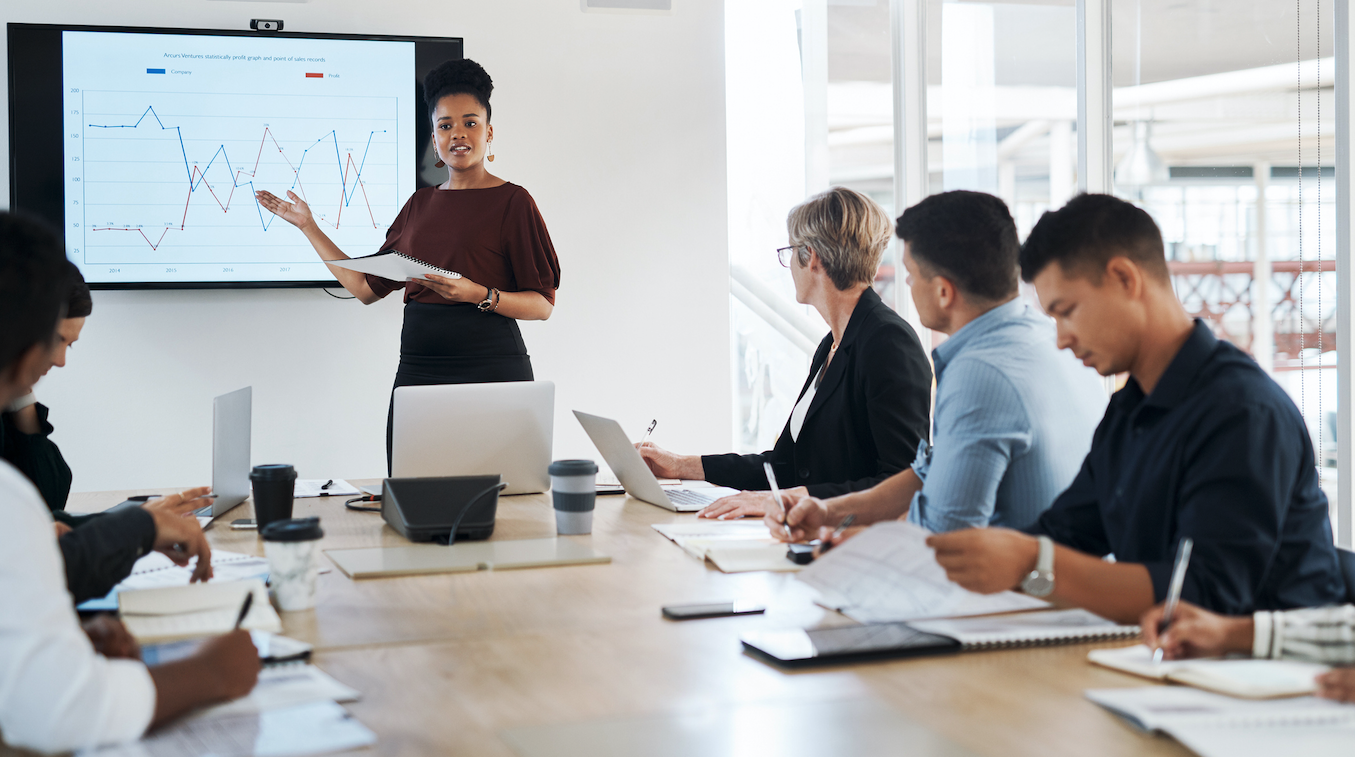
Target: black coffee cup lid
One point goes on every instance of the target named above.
(296, 529)
(277, 472)
(572, 468)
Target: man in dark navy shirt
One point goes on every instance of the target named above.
(1200, 443)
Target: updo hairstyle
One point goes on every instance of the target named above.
(458, 77)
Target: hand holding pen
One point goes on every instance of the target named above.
(1174, 592)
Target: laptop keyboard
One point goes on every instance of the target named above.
(688, 497)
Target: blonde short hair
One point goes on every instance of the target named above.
(847, 229)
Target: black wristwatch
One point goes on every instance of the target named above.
(488, 301)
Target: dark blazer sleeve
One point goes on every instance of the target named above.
(38, 458)
(100, 553)
(745, 471)
(893, 400)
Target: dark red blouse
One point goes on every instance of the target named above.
(495, 237)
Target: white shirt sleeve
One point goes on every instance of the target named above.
(56, 693)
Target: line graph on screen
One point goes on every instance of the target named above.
(172, 179)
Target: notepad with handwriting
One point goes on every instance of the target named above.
(1243, 677)
(887, 573)
(202, 609)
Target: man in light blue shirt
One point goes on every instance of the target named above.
(1014, 416)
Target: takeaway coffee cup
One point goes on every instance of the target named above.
(273, 487)
(292, 547)
(573, 486)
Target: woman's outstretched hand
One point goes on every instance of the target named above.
(296, 212)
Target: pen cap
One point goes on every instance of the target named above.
(293, 529)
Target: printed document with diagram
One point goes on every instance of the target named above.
(887, 573)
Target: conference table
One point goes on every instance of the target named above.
(579, 660)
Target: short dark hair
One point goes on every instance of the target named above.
(32, 285)
(1085, 234)
(968, 237)
(78, 302)
(458, 77)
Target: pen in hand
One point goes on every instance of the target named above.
(1174, 592)
(837, 532)
(244, 609)
(648, 431)
(776, 496)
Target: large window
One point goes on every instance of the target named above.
(1224, 132)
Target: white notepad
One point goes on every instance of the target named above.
(393, 266)
(733, 546)
(1164, 708)
(1248, 678)
(887, 573)
(203, 609)
(1028, 629)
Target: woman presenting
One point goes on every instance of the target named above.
(457, 331)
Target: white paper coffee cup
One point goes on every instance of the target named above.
(293, 550)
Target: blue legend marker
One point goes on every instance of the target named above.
(155, 70)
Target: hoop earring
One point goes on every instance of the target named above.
(491, 151)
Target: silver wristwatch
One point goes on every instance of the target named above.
(1040, 582)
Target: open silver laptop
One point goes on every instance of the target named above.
(635, 475)
(476, 429)
(230, 451)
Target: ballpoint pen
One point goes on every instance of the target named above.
(837, 532)
(244, 609)
(648, 431)
(776, 495)
(327, 484)
(1174, 591)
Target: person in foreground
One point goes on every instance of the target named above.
(1200, 443)
(1315, 634)
(99, 550)
(25, 433)
(58, 691)
(864, 406)
(1014, 416)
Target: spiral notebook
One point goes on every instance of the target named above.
(1027, 629)
(393, 265)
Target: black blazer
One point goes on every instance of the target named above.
(865, 421)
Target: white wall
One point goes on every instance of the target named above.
(613, 121)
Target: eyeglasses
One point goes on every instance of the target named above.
(783, 254)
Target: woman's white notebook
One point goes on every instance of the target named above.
(393, 265)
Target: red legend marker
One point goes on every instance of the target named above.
(315, 76)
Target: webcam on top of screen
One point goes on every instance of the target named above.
(265, 24)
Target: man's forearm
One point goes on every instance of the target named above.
(1119, 591)
(888, 500)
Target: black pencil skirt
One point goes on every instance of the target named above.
(456, 343)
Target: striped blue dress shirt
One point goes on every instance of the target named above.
(1014, 418)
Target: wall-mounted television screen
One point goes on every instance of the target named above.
(145, 146)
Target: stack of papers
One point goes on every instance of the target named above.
(312, 728)
(205, 609)
(887, 573)
(1245, 677)
(1213, 725)
(155, 570)
(734, 546)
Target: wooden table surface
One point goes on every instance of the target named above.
(447, 662)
